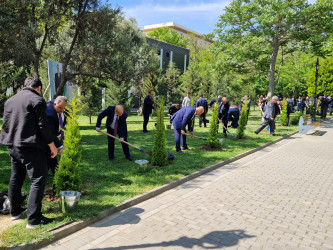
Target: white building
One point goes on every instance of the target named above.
(183, 31)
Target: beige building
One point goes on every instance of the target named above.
(183, 31)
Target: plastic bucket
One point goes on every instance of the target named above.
(69, 200)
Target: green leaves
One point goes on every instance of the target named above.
(165, 34)
(213, 130)
(242, 121)
(283, 118)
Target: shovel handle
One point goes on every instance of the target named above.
(129, 144)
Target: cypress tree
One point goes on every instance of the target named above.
(68, 174)
(283, 118)
(160, 153)
(213, 130)
(242, 121)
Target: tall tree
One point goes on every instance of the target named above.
(258, 29)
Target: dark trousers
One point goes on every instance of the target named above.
(265, 123)
(52, 163)
(331, 109)
(34, 162)
(288, 119)
(145, 121)
(225, 123)
(111, 146)
(233, 116)
(323, 112)
(202, 118)
(179, 135)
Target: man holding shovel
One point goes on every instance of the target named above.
(223, 114)
(182, 118)
(115, 124)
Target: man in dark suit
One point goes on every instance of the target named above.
(202, 102)
(173, 109)
(330, 104)
(233, 116)
(57, 121)
(324, 106)
(148, 106)
(115, 124)
(223, 114)
(26, 133)
(269, 116)
(57, 78)
(182, 118)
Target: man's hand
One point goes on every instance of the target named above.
(183, 132)
(61, 150)
(98, 129)
(121, 140)
(169, 115)
(191, 134)
(272, 119)
(53, 149)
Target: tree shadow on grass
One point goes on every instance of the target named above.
(212, 240)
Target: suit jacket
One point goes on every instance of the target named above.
(223, 111)
(183, 117)
(148, 105)
(53, 121)
(25, 122)
(269, 110)
(202, 102)
(110, 113)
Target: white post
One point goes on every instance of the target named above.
(161, 58)
(103, 98)
(185, 57)
(171, 56)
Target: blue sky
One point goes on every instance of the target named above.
(198, 15)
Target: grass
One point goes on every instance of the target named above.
(108, 184)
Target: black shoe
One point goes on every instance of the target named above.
(179, 151)
(145, 131)
(129, 158)
(186, 148)
(41, 222)
(17, 215)
(273, 134)
(111, 160)
(256, 132)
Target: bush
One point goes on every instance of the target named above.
(68, 174)
(296, 117)
(193, 101)
(242, 121)
(213, 130)
(160, 153)
(283, 118)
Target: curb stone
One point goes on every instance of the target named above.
(63, 231)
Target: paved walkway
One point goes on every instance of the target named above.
(278, 198)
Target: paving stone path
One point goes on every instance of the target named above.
(278, 198)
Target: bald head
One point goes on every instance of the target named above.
(199, 110)
(119, 110)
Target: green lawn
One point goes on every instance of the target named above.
(108, 184)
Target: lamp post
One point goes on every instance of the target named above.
(315, 97)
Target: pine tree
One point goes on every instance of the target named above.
(213, 130)
(283, 118)
(68, 174)
(242, 121)
(160, 153)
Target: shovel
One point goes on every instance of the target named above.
(129, 144)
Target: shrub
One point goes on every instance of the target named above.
(213, 130)
(193, 100)
(283, 118)
(242, 121)
(68, 174)
(160, 153)
(296, 117)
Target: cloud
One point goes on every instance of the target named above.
(201, 16)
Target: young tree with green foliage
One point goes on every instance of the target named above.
(171, 82)
(214, 127)
(284, 115)
(160, 153)
(242, 121)
(165, 34)
(325, 78)
(68, 174)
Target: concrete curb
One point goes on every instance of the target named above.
(78, 225)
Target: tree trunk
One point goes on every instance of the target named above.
(36, 67)
(276, 44)
(89, 119)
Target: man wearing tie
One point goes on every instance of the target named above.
(115, 124)
(57, 121)
(182, 118)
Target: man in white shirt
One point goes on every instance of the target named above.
(187, 100)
